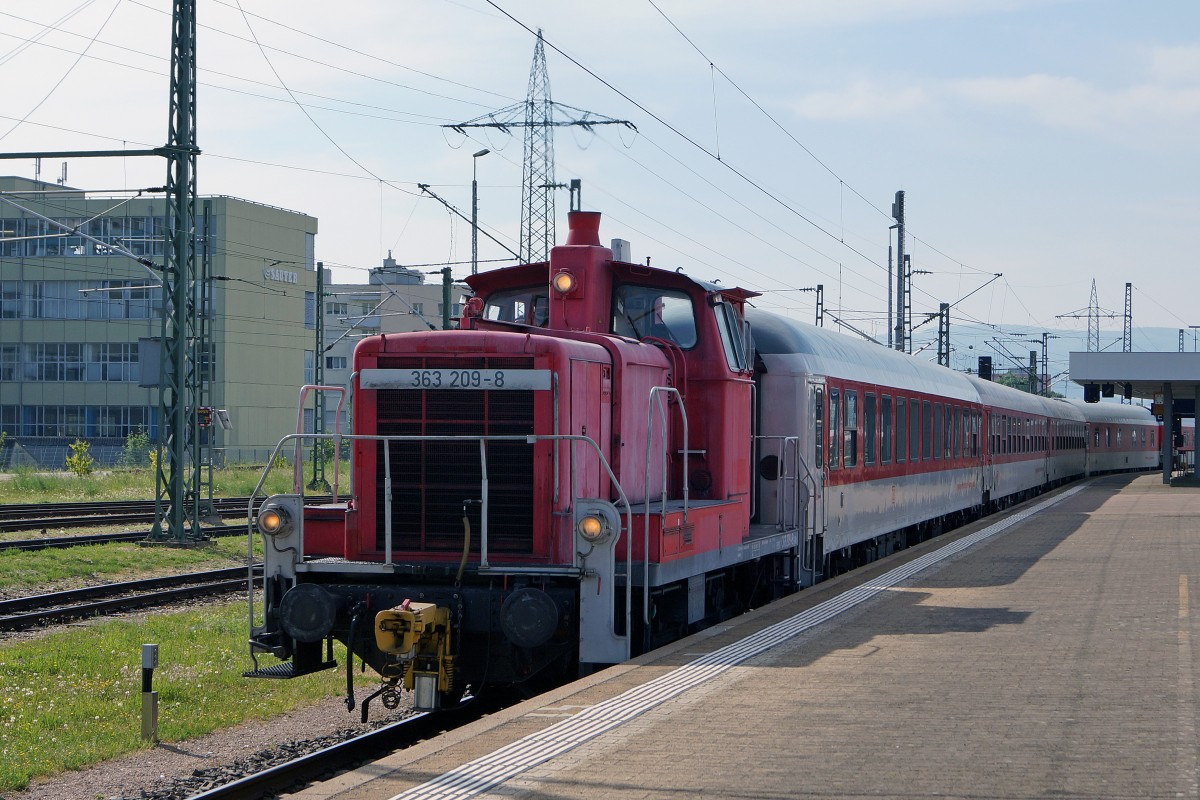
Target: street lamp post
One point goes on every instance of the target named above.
(475, 211)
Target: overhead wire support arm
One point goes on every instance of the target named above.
(158, 151)
(424, 187)
(853, 329)
(930, 317)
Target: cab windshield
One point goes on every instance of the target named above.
(530, 306)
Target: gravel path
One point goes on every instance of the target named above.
(170, 771)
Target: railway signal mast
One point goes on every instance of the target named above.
(184, 347)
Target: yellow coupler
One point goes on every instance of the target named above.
(419, 634)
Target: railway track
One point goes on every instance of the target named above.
(53, 542)
(279, 777)
(27, 612)
(36, 516)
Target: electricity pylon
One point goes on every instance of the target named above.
(537, 116)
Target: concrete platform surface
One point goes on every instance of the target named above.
(1047, 652)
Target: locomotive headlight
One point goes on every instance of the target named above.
(274, 520)
(591, 528)
(596, 521)
(564, 283)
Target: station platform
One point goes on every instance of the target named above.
(1048, 651)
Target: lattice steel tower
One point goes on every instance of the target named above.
(1093, 345)
(537, 116)
(537, 186)
(176, 478)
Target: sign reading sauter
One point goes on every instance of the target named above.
(280, 275)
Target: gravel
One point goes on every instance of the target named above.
(179, 770)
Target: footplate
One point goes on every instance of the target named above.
(286, 670)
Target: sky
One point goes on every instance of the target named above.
(1051, 141)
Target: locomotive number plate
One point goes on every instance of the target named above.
(491, 379)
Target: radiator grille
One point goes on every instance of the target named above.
(430, 480)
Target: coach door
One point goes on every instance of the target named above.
(812, 477)
(989, 476)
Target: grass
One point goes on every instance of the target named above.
(72, 698)
(25, 485)
(40, 571)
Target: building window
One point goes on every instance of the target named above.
(309, 368)
(10, 299)
(310, 311)
(338, 309)
(418, 309)
(335, 362)
(10, 361)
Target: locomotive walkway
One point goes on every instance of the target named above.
(1052, 651)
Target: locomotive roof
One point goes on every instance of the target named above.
(827, 352)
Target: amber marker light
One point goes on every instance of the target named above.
(272, 520)
(591, 528)
(564, 283)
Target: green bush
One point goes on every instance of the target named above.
(80, 461)
(136, 452)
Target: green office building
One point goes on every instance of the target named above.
(81, 324)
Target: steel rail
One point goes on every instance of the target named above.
(32, 516)
(381, 741)
(26, 612)
(52, 542)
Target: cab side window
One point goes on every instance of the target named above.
(641, 312)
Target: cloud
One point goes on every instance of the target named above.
(862, 99)
(1176, 65)
(1140, 115)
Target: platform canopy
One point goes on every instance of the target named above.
(1169, 379)
(1146, 373)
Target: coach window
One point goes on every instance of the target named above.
(1096, 438)
(975, 416)
(927, 429)
(901, 429)
(850, 432)
(938, 433)
(885, 452)
(914, 430)
(819, 424)
(869, 429)
(961, 423)
(1118, 438)
(835, 429)
(948, 432)
(1107, 436)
